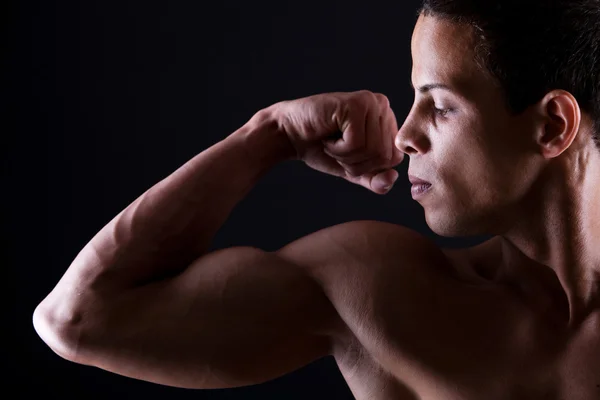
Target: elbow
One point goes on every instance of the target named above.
(62, 335)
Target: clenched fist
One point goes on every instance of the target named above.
(349, 135)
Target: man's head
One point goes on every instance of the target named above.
(524, 102)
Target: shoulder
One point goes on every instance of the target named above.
(385, 244)
(371, 268)
(366, 242)
(360, 255)
(363, 233)
(360, 239)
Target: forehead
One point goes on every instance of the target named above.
(442, 52)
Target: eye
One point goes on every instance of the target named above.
(441, 111)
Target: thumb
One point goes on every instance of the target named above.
(382, 182)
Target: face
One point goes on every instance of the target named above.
(462, 138)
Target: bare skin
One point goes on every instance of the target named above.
(517, 317)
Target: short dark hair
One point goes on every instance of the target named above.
(534, 46)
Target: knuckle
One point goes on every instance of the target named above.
(353, 170)
(386, 159)
(371, 97)
(355, 142)
(357, 99)
(379, 161)
(383, 100)
(377, 157)
(375, 153)
(365, 96)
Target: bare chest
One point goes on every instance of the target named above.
(432, 339)
(516, 374)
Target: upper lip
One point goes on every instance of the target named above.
(417, 181)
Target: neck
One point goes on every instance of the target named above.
(553, 251)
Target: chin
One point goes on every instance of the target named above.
(448, 230)
(453, 225)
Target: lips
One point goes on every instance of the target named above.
(417, 181)
(419, 187)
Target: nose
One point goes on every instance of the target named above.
(410, 139)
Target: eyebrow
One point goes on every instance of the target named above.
(432, 86)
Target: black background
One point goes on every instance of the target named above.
(102, 99)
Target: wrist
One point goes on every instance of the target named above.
(265, 139)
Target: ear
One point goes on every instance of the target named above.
(560, 121)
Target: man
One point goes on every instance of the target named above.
(502, 141)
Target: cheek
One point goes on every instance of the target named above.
(464, 149)
(469, 166)
(480, 163)
(505, 159)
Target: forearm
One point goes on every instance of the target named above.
(175, 221)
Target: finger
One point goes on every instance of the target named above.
(397, 158)
(388, 128)
(391, 128)
(320, 161)
(373, 132)
(355, 163)
(349, 160)
(384, 181)
(387, 142)
(353, 139)
(377, 181)
(372, 154)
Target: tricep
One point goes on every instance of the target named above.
(234, 317)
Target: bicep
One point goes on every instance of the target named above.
(235, 317)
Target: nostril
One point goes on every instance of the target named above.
(410, 150)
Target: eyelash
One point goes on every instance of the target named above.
(442, 111)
